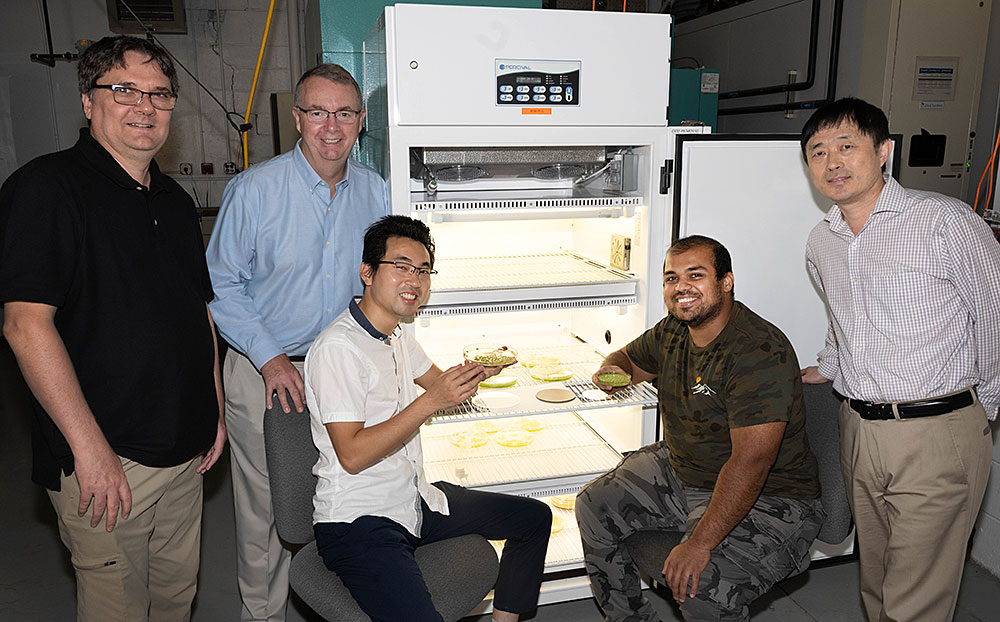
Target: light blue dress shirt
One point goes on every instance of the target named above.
(284, 257)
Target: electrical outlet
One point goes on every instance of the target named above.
(207, 168)
(185, 168)
(229, 168)
(622, 174)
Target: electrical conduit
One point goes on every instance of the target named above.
(253, 85)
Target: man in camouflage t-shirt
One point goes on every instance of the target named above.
(734, 472)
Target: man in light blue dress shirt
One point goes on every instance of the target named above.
(284, 259)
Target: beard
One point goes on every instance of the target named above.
(700, 316)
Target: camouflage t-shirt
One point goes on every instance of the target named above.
(747, 376)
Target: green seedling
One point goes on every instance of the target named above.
(614, 379)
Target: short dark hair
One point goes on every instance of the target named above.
(394, 226)
(871, 121)
(332, 72)
(722, 261)
(101, 57)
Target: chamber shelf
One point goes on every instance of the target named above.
(579, 359)
(556, 280)
(521, 205)
(565, 448)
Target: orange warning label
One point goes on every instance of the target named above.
(536, 111)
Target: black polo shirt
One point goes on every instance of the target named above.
(125, 268)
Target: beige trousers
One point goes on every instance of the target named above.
(147, 567)
(261, 560)
(915, 487)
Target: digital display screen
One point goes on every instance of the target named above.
(529, 79)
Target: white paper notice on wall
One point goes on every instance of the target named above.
(934, 78)
(710, 82)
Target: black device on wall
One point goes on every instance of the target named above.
(162, 16)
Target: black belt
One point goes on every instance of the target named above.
(881, 411)
(297, 359)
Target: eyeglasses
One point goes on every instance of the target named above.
(405, 268)
(318, 115)
(130, 96)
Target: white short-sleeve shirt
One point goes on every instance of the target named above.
(355, 373)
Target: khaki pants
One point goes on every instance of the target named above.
(147, 568)
(915, 487)
(261, 560)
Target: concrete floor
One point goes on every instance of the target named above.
(36, 579)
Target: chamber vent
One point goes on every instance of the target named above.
(160, 16)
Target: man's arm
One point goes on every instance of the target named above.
(41, 354)
(975, 271)
(755, 448)
(620, 363)
(215, 450)
(812, 375)
(829, 356)
(230, 256)
(359, 447)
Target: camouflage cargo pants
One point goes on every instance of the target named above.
(771, 543)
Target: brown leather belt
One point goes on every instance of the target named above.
(881, 411)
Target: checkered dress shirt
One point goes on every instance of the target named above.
(914, 298)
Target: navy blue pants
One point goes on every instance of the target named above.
(373, 556)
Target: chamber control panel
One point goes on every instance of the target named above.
(537, 82)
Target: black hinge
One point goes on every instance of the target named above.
(665, 172)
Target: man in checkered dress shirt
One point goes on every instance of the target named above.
(912, 282)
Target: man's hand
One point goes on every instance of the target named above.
(102, 480)
(811, 375)
(215, 451)
(608, 369)
(493, 370)
(455, 384)
(684, 565)
(280, 376)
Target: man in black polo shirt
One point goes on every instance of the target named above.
(105, 294)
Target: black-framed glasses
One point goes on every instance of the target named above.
(131, 96)
(405, 268)
(318, 115)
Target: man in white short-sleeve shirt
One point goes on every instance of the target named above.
(373, 505)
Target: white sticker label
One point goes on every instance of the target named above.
(709, 82)
(935, 77)
(931, 105)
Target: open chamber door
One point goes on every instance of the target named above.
(753, 193)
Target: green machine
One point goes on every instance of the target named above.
(694, 97)
(344, 24)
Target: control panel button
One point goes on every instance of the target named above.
(569, 93)
(506, 97)
(523, 98)
(555, 89)
(506, 88)
(538, 98)
(524, 88)
(539, 89)
(555, 98)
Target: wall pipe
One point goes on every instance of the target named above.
(253, 85)
(785, 87)
(50, 58)
(831, 82)
(294, 45)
